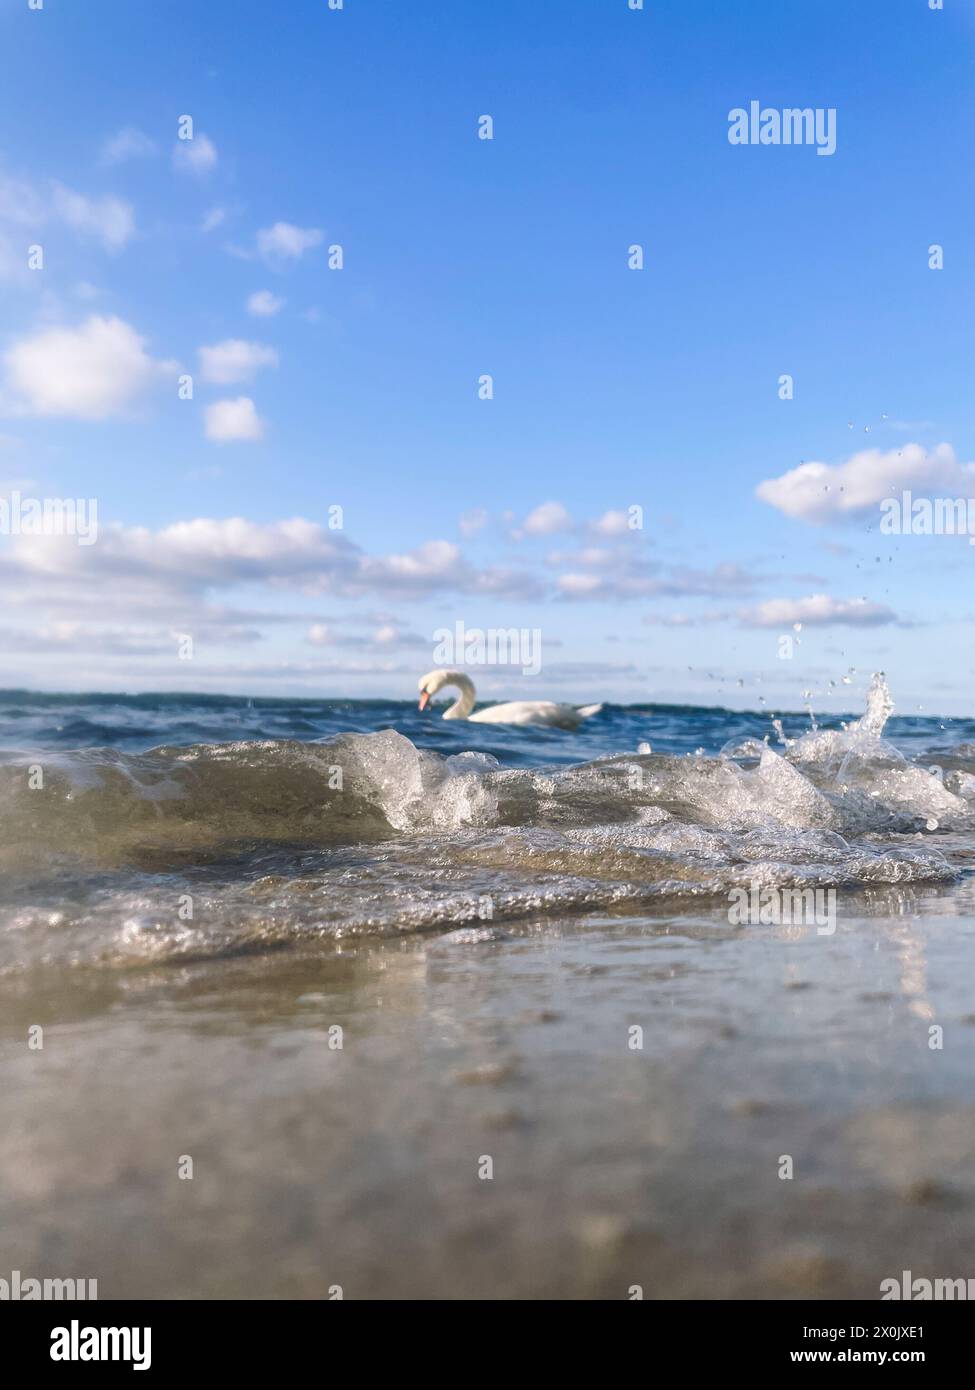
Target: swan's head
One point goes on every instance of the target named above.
(436, 680)
(430, 684)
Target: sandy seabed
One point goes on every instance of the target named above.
(615, 1167)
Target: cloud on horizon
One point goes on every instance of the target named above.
(817, 610)
(822, 492)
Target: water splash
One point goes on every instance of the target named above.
(880, 707)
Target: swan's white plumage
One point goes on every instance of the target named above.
(544, 712)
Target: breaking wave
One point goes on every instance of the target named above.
(175, 853)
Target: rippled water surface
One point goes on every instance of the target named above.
(201, 897)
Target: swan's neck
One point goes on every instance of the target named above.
(461, 708)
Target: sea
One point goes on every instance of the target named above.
(333, 999)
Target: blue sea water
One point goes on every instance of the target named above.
(30, 720)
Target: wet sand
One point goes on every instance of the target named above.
(613, 1167)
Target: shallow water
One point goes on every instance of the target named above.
(190, 911)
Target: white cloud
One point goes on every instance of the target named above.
(580, 585)
(635, 579)
(546, 520)
(552, 518)
(205, 551)
(440, 565)
(128, 143)
(190, 556)
(65, 638)
(389, 635)
(284, 241)
(433, 560)
(110, 220)
(197, 156)
(231, 420)
(85, 373)
(821, 492)
(135, 588)
(612, 524)
(818, 610)
(263, 304)
(235, 360)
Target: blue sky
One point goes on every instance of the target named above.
(613, 388)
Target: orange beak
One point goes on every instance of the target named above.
(424, 699)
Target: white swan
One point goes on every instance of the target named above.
(546, 712)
